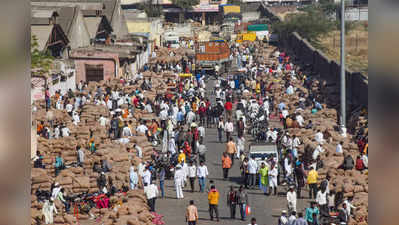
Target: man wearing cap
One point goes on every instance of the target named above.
(291, 198)
(273, 173)
(283, 220)
(179, 181)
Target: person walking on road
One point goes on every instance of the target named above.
(201, 151)
(213, 199)
(192, 174)
(253, 221)
(229, 129)
(264, 177)
(179, 181)
(312, 182)
(231, 149)
(151, 192)
(202, 173)
(292, 218)
(242, 201)
(252, 169)
(291, 198)
(300, 177)
(273, 173)
(226, 164)
(300, 220)
(310, 211)
(283, 220)
(232, 197)
(220, 129)
(191, 214)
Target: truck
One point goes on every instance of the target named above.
(263, 151)
(211, 53)
(172, 40)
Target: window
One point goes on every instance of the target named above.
(94, 72)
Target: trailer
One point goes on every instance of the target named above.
(212, 54)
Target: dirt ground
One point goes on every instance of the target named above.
(356, 48)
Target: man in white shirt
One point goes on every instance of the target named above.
(103, 121)
(65, 131)
(201, 131)
(190, 117)
(319, 149)
(292, 218)
(151, 192)
(285, 113)
(69, 108)
(291, 198)
(179, 179)
(126, 132)
(172, 146)
(142, 128)
(139, 151)
(300, 120)
(148, 108)
(81, 156)
(319, 137)
(252, 170)
(229, 128)
(365, 160)
(339, 148)
(146, 176)
(192, 173)
(202, 173)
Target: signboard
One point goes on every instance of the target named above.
(185, 75)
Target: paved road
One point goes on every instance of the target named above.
(265, 208)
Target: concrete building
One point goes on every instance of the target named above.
(95, 65)
(138, 23)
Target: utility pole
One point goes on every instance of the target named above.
(343, 86)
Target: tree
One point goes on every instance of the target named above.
(39, 59)
(311, 24)
(185, 5)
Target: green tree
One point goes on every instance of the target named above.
(185, 5)
(39, 59)
(150, 10)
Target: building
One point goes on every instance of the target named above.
(138, 23)
(93, 35)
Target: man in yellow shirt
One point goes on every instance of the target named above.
(312, 182)
(213, 198)
(181, 157)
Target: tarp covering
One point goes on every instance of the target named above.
(258, 27)
(231, 9)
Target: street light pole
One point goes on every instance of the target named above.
(343, 89)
